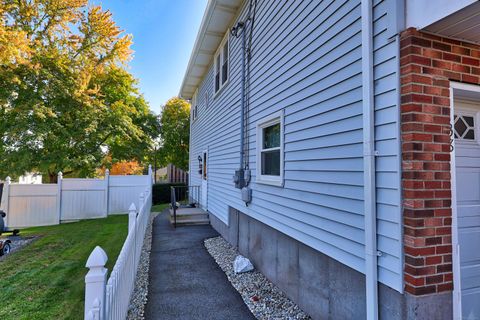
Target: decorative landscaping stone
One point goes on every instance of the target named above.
(242, 264)
(261, 296)
(140, 292)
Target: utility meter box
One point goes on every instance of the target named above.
(239, 179)
(246, 194)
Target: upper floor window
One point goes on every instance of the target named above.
(194, 107)
(270, 150)
(221, 64)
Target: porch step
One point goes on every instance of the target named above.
(190, 216)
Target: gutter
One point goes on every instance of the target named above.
(369, 153)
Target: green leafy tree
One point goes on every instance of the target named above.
(175, 133)
(66, 100)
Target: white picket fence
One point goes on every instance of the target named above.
(110, 299)
(30, 205)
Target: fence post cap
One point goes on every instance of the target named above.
(60, 174)
(98, 258)
(8, 179)
(107, 172)
(133, 207)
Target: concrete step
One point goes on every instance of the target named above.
(192, 222)
(190, 216)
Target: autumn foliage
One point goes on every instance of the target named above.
(126, 168)
(66, 98)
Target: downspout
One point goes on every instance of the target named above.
(369, 163)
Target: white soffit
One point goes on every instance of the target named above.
(422, 13)
(461, 25)
(216, 20)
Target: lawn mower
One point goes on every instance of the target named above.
(5, 244)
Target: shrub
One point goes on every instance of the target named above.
(161, 192)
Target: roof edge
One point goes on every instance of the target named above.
(205, 26)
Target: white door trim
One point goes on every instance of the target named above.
(457, 89)
(457, 290)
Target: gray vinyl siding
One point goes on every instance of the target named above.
(307, 62)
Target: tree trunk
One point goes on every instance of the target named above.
(52, 177)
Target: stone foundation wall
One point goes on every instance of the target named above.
(320, 285)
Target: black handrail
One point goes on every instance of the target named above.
(184, 196)
(173, 204)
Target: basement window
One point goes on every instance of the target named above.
(270, 150)
(222, 64)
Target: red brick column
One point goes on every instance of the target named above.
(428, 64)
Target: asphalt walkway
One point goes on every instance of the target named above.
(185, 281)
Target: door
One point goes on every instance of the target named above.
(204, 193)
(467, 182)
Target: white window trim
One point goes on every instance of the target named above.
(220, 52)
(272, 119)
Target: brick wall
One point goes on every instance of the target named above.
(428, 64)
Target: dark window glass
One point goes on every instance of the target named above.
(225, 63)
(217, 82)
(460, 127)
(468, 120)
(271, 136)
(271, 163)
(217, 74)
(470, 135)
(204, 166)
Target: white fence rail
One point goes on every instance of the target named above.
(110, 299)
(30, 205)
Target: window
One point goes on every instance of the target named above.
(221, 64)
(270, 150)
(204, 166)
(194, 107)
(464, 127)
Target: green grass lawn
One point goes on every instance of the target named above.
(45, 280)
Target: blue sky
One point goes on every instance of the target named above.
(164, 32)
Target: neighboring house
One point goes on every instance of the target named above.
(30, 178)
(161, 175)
(361, 137)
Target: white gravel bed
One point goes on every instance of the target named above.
(138, 300)
(261, 296)
(17, 243)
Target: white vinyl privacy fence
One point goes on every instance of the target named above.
(109, 299)
(29, 205)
